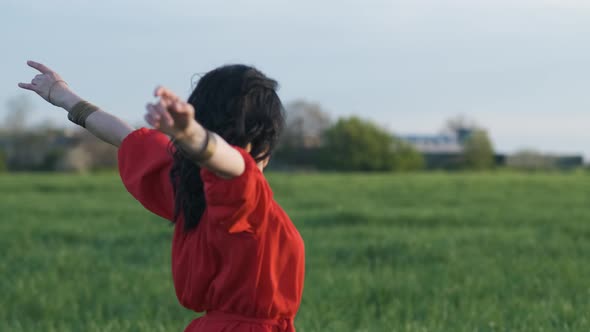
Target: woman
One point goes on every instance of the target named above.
(235, 253)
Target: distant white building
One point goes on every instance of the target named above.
(440, 151)
(437, 144)
(447, 143)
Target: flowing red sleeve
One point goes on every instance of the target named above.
(144, 167)
(237, 204)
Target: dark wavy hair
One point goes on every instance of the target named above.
(240, 104)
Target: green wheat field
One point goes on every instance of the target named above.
(401, 252)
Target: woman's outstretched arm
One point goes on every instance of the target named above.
(176, 118)
(51, 87)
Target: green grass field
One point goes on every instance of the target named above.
(424, 252)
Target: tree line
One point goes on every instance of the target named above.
(311, 140)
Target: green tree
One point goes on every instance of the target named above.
(478, 151)
(407, 158)
(353, 144)
(2, 162)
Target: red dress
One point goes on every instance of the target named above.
(244, 263)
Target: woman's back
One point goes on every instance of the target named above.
(244, 263)
(235, 253)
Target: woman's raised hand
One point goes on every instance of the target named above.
(50, 86)
(171, 115)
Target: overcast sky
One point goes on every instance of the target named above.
(520, 68)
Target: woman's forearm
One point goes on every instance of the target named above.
(103, 125)
(225, 161)
(108, 127)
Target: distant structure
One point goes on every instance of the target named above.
(55, 150)
(445, 151)
(442, 151)
(30, 151)
(425, 144)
